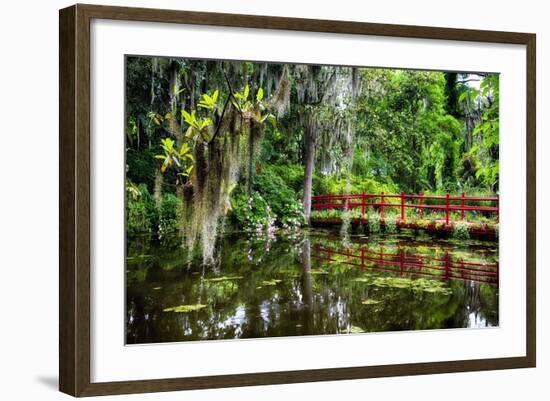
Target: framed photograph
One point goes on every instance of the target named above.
(250, 200)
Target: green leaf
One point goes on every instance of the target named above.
(246, 91)
(187, 117)
(260, 94)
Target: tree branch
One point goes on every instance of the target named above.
(229, 96)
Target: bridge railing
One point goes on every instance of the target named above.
(381, 202)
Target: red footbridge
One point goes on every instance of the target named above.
(431, 212)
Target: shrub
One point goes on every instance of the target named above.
(292, 175)
(353, 184)
(390, 223)
(251, 213)
(374, 222)
(141, 166)
(169, 214)
(282, 199)
(141, 213)
(461, 230)
(137, 221)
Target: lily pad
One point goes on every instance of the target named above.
(355, 330)
(371, 302)
(184, 308)
(271, 282)
(223, 278)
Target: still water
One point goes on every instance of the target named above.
(308, 283)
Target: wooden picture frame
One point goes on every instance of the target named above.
(74, 199)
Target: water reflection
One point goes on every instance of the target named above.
(306, 284)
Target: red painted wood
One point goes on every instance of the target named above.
(403, 207)
(351, 201)
(447, 210)
(462, 211)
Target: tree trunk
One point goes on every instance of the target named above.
(309, 165)
(157, 194)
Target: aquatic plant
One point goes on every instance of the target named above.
(370, 301)
(417, 284)
(184, 308)
(222, 278)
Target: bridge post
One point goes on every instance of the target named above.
(421, 209)
(363, 205)
(462, 211)
(403, 207)
(401, 261)
(382, 204)
(498, 209)
(329, 201)
(447, 209)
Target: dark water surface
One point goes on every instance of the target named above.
(308, 284)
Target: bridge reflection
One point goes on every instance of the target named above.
(403, 263)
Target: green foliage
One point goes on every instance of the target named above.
(354, 185)
(281, 199)
(182, 158)
(461, 230)
(390, 223)
(291, 174)
(141, 166)
(198, 127)
(374, 222)
(209, 102)
(141, 214)
(169, 214)
(251, 213)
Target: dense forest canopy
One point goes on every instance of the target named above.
(254, 141)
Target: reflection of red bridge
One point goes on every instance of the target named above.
(405, 264)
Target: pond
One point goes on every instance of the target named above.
(308, 283)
